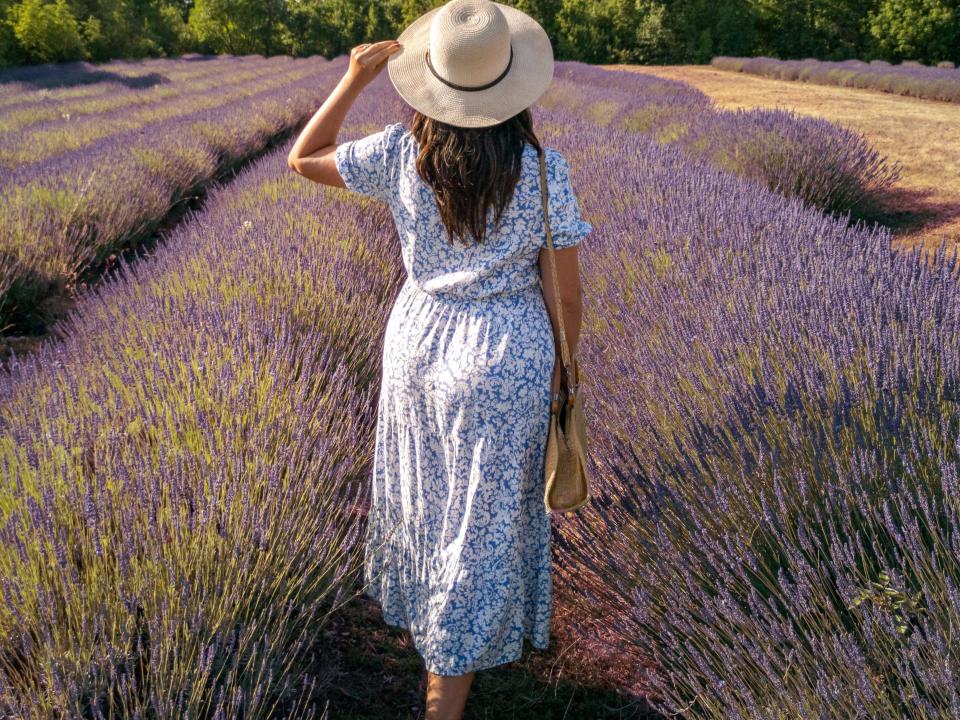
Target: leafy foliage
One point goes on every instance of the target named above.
(927, 30)
(47, 32)
(597, 31)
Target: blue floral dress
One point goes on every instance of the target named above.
(458, 541)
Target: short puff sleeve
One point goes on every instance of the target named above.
(567, 228)
(368, 164)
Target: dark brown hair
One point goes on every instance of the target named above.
(471, 169)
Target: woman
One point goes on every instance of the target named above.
(458, 543)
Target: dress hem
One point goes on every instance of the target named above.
(396, 622)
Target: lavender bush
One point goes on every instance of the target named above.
(183, 477)
(36, 126)
(775, 447)
(72, 77)
(932, 83)
(830, 167)
(63, 213)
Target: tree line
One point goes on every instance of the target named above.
(595, 31)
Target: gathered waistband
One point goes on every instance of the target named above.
(511, 293)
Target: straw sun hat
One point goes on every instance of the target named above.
(472, 63)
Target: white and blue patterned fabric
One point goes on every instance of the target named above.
(458, 542)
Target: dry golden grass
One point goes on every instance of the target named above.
(923, 135)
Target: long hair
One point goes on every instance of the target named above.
(471, 169)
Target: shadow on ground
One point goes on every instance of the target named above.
(70, 74)
(911, 212)
(375, 675)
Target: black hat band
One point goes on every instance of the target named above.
(473, 88)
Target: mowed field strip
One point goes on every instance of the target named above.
(923, 135)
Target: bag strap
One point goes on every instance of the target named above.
(564, 348)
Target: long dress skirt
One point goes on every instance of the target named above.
(458, 541)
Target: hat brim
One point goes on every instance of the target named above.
(530, 74)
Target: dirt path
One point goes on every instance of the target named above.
(923, 135)
(372, 672)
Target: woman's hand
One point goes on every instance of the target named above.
(367, 60)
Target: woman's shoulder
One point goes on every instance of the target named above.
(393, 134)
(554, 160)
(548, 151)
(401, 139)
(552, 156)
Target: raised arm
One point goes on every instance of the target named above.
(312, 153)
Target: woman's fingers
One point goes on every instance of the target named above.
(368, 59)
(371, 53)
(373, 47)
(374, 57)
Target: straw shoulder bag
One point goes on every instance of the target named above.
(565, 465)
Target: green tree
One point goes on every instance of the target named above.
(310, 30)
(130, 28)
(597, 31)
(925, 30)
(543, 11)
(840, 25)
(584, 30)
(641, 32)
(348, 20)
(785, 28)
(240, 27)
(612, 31)
(47, 32)
(383, 21)
(701, 29)
(10, 51)
(169, 26)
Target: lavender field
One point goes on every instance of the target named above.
(772, 394)
(931, 83)
(98, 155)
(156, 133)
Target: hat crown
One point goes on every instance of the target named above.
(469, 42)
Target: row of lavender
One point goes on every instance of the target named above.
(184, 477)
(37, 125)
(774, 444)
(932, 83)
(825, 165)
(54, 77)
(72, 209)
